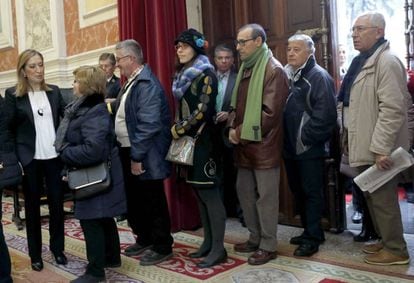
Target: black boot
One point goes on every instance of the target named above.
(217, 222)
(368, 232)
(206, 245)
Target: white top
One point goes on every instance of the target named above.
(43, 121)
(121, 130)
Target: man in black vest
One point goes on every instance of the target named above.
(113, 84)
(226, 75)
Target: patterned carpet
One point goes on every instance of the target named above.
(338, 261)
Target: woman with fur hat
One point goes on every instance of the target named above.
(195, 90)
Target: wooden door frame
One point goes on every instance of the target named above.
(324, 33)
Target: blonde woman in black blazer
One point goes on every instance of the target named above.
(36, 108)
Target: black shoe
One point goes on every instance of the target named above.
(113, 264)
(88, 278)
(136, 249)
(37, 265)
(152, 258)
(205, 264)
(365, 236)
(296, 240)
(356, 217)
(198, 254)
(299, 240)
(60, 258)
(306, 250)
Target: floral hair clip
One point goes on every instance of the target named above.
(199, 41)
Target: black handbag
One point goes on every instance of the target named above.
(89, 181)
(10, 169)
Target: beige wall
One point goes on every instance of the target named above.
(69, 33)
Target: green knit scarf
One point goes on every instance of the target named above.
(251, 129)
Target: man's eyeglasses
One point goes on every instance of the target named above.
(117, 59)
(242, 42)
(359, 29)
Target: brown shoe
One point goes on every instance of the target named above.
(384, 257)
(261, 257)
(372, 248)
(245, 247)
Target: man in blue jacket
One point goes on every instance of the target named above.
(142, 127)
(309, 120)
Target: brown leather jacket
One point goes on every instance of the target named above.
(267, 153)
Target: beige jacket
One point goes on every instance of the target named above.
(379, 101)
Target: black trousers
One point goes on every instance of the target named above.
(213, 218)
(102, 244)
(306, 182)
(367, 223)
(147, 209)
(228, 184)
(38, 173)
(5, 265)
(358, 199)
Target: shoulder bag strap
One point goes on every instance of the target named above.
(200, 130)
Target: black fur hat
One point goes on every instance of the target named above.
(195, 39)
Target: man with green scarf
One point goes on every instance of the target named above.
(256, 130)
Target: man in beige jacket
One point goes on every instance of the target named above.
(375, 99)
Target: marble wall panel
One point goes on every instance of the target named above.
(9, 55)
(81, 40)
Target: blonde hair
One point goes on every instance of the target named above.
(91, 80)
(23, 86)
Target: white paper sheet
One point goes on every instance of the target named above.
(372, 178)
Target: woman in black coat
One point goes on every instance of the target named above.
(195, 88)
(6, 145)
(85, 137)
(36, 108)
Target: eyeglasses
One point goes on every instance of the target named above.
(117, 59)
(182, 46)
(242, 42)
(359, 29)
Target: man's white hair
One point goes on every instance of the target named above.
(306, 38)
(376, 19)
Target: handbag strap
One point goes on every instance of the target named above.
(199, 130)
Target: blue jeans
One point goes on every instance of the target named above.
(5, 265)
